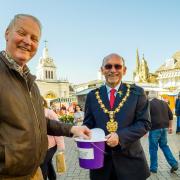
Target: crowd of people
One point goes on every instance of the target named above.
(31, 133)
(71, 114)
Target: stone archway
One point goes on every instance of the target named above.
(50, 95)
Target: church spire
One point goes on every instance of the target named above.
(137, 61)
(45, 42)
(143, 57)
(45, 50)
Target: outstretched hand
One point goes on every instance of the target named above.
(81, 131)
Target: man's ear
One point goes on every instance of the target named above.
(124, 70)
(102, 72)
(6, 34)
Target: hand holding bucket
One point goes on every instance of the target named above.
(91, 152)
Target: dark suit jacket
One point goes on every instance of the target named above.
(127, 159)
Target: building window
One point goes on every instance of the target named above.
(51, 74)
(46, 74)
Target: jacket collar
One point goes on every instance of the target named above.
(14, 65)
(104, 96)
(116, 88)
(119, 95)
(105, 99)
(26, 72)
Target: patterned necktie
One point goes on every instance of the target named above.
(112, 97)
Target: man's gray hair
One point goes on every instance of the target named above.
(19, 16)
(108, 57)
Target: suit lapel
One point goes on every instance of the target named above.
(119, 96)
(104, 96)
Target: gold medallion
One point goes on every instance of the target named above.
(112, 124)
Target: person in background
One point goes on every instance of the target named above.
(161, 119)
(71, 109)
(122, 111)
(63, 111)
(23, 126)
(54, 108)
(78, 115)
(54, 143)
(177, 112)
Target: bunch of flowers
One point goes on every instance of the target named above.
(67, 119)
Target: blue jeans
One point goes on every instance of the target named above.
(178, 124)
(159, 137)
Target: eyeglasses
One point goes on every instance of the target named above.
(116, 66)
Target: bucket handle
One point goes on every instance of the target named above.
(99, 149)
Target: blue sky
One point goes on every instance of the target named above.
(81, 32)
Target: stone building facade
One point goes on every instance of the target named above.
(47, 81)
(169, 73)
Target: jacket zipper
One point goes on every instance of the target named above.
(30, 95)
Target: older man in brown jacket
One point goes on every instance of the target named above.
(23, 127)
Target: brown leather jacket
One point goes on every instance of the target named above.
(23, 127)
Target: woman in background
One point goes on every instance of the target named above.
(54, 143)
(78, 115)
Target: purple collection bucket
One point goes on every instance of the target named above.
(91, 154)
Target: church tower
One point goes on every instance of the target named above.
(49, 85)
(46, 70)
(144, 71)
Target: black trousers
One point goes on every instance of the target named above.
(47, 167)
(105, 173)
(109, 171)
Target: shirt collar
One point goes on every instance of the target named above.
(22, 70)
(109, 88)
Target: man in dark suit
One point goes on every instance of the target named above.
(122, 111)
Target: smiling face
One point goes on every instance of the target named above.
(113, 69)
(22, 39)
